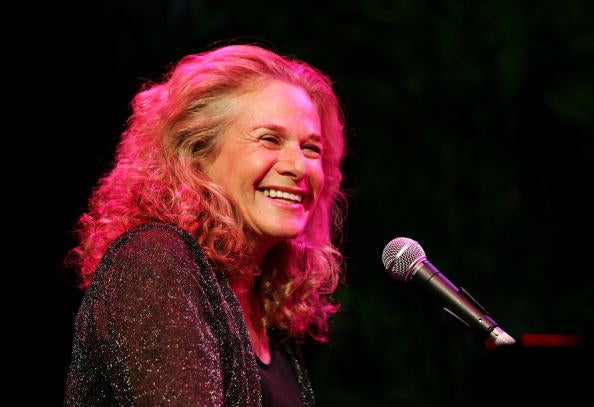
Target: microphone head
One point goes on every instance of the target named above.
(400, 256)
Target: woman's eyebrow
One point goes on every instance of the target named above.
(276, 127)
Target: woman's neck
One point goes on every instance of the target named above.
(253, 317)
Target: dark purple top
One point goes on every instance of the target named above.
(279, 385)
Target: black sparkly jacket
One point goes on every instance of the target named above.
(157, 326)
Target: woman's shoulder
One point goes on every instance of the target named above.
(152, 252)
(155, 230)
(158, 236)
(155, 243)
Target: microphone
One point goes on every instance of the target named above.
(404, 259)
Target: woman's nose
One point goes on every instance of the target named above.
(292, 162)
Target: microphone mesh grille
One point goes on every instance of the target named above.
(400, 255)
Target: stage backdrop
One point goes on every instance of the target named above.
(470, 129)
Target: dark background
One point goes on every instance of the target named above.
(470, 129)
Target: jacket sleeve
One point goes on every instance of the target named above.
(147, 326)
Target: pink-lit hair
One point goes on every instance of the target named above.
(157, 176)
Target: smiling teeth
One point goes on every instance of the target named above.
(272, 193)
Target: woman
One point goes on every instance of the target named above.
(209, 252)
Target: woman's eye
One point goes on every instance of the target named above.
(313, 147)
(270, 139)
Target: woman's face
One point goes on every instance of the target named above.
(270, 161)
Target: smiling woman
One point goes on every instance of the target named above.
(274, 140)
(206, 255)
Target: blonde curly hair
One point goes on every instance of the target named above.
(158, 176)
